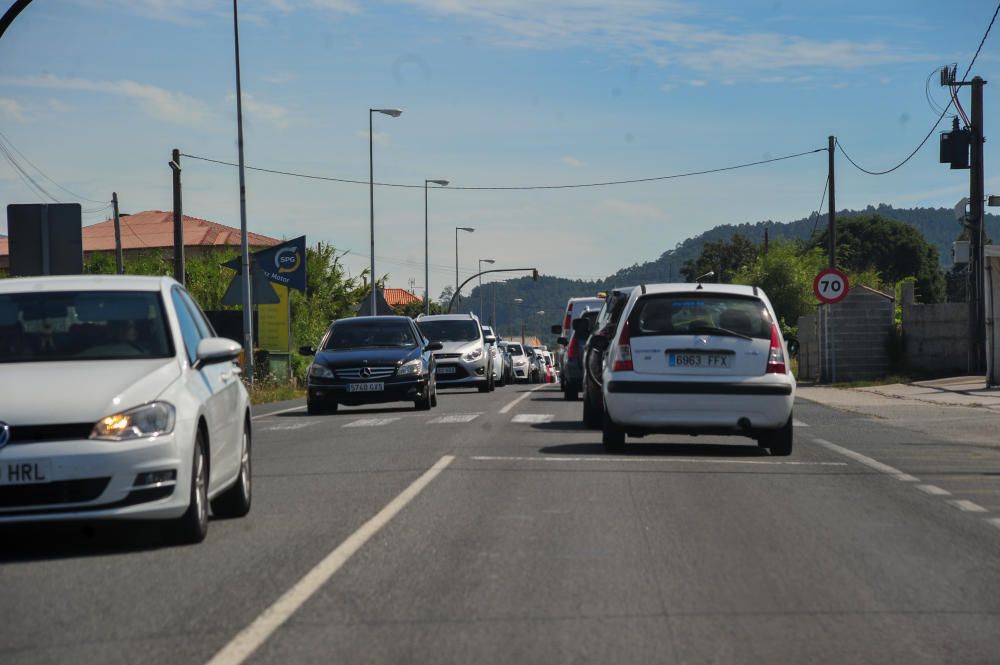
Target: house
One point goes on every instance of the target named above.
(154, 230)
(400, 297)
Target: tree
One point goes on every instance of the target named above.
(786, 275)
(446, 294)
(894, 250)
(329, 295)
(724, 257)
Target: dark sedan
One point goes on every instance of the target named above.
(370, 360)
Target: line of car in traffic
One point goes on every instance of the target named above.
(679, 359)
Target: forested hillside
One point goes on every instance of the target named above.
(549, 294)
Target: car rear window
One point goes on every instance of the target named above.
(450, 331)
(362, 334)
(680, 314)
(82, 325)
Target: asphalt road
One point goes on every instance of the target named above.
(488, 531)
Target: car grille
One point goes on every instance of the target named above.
(354, 373)
(445, 356)
(40, 433)
(43, 494)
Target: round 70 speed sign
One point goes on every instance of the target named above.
(830, 286)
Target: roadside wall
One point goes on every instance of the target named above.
(935, 337)
(847, 341)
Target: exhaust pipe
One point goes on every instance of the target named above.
(744, 424)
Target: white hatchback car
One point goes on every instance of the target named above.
(117, 400)
(705, 359)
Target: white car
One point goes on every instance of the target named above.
(705, 359)
(117, 400)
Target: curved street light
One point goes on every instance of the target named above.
(457, 229)
(481, 262)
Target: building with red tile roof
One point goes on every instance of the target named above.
(400, 297)
(154, 229)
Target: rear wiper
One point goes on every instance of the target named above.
(715, 330)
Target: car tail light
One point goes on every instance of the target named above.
(571, 351)
(776, 356)
(568, 320)
(623, 361)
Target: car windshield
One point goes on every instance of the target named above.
(515, 349)
(82, 325)
(365, 334)
(701, 313)
(465, 330)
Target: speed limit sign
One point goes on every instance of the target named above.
(830, 286)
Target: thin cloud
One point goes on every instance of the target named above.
(11, 108)
(270, 113)
(572, 161)
(173, 107)
(633, 209)
(377, 137)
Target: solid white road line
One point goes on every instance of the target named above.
(250, 638)
(455, 418)
(967, 506)
(995, 521)
(274, 413)
(686, 460)
(867, 461)
(288, 426)
(533, 418)
(798, 423)
(371, 422)
(514, 403)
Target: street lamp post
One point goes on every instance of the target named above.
(481, 262)
(395, 113)
(457, 229)
(427, 288)
(520, 315)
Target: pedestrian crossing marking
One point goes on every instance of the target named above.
(454, 418)
(534, 418)
(371, 422)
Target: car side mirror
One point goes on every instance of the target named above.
(212, 350)
(556, 330)
(490, 339)
(307, 350)
(600, 342)
(434, 346)
(582, 326)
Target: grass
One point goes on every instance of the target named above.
(272, 389)
(884, 381)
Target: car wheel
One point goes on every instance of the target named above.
(779, 442)
(569, 394)
(493, 383)
(192, 526)
(591, 417)
(235, 501)
(434, 395)
(612, 435)
(484, 386)
(424, 403)
(319, 408)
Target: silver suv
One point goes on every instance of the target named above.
(465, 358)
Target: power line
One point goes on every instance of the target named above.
(940, 117)
(42, 173)
(520, 187)
(819, 210)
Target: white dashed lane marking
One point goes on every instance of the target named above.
(288, 426)
(798, 423)
(652, 460)
(533, 418)
(371, 422)
(967, 506)
(933, 490)
(455, 418)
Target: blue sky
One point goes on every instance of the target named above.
(95, 93)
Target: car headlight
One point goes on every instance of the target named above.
(474, 354)
(148, 420)
(412, 368)
(320, 371)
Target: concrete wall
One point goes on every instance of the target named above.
(935, 337)
(847, 341)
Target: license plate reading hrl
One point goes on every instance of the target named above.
(701, 360)
(24, 473)
(445, 370)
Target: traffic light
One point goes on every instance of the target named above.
(534, 274)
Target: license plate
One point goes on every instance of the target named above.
(445, 370)
(365, 387)
(25, 473)
(701, 360)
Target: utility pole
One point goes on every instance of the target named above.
(832, 205)
(119, 262)
(244, 236)
(976, 200)
(175, 165)
(766, 227)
